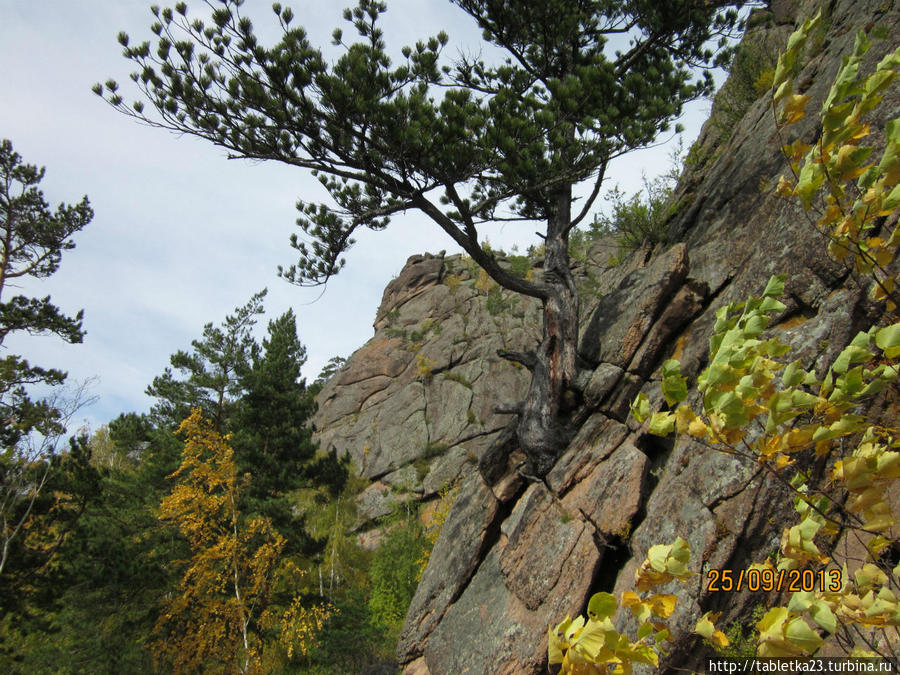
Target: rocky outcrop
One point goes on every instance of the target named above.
(414, 407)
(516, 556)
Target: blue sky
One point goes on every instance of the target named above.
(181, 235)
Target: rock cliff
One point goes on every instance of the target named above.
(415, 406)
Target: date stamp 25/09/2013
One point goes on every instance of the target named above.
(768, 579)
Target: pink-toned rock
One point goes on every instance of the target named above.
(613, 493)
(624, 316)
(420, 273)
(542, 541)
(469, 528)
(383, 356)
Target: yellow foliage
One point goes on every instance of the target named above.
(484, 282)
(226, 586)
(453, 281)
(425, 367)
(857, 192)
(706, 628)
(300, 627)
(594, 645)
(795, 410)
(448, 495)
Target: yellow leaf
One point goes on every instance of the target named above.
(782, 461)
(706, 628)
(793, 109)
(663, 604)
(785, 187)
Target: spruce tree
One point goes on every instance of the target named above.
(273, 436)
(581, 82)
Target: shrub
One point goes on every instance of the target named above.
(749, 78)
(395, 574)
(425, 367)
(640, 218)
(496, 304)
(446, 500)
(453, 281)
(520, 265)
(456, 377)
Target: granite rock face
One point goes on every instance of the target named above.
(414, 407)
(516, 556)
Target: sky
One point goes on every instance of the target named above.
(181, 235)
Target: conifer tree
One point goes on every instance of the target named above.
(273, 436)
(275, 441)
(32, 241)
(212, 373)
(35, 476)
(580, 83)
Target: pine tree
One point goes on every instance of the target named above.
(464, 144)
(98, 602)
(32, 240)
(211, 374)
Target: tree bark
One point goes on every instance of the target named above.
(542, 425)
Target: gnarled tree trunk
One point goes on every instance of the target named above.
(542, 425)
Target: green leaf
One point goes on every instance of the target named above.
(755, 325)
(803, 400)
(662, 423)
(892, 200)
(811, 179)
(793, 374)
(851, 354)
(771, 626)
(602, 606)
(640, 408)
(674, 386)
(736, 414)
(801, 601)
(645, 630)
(781, 409)
(798, 633)
(821, 613)
(775, 287)
(772, 305)
(888, 338)
(718, 374)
